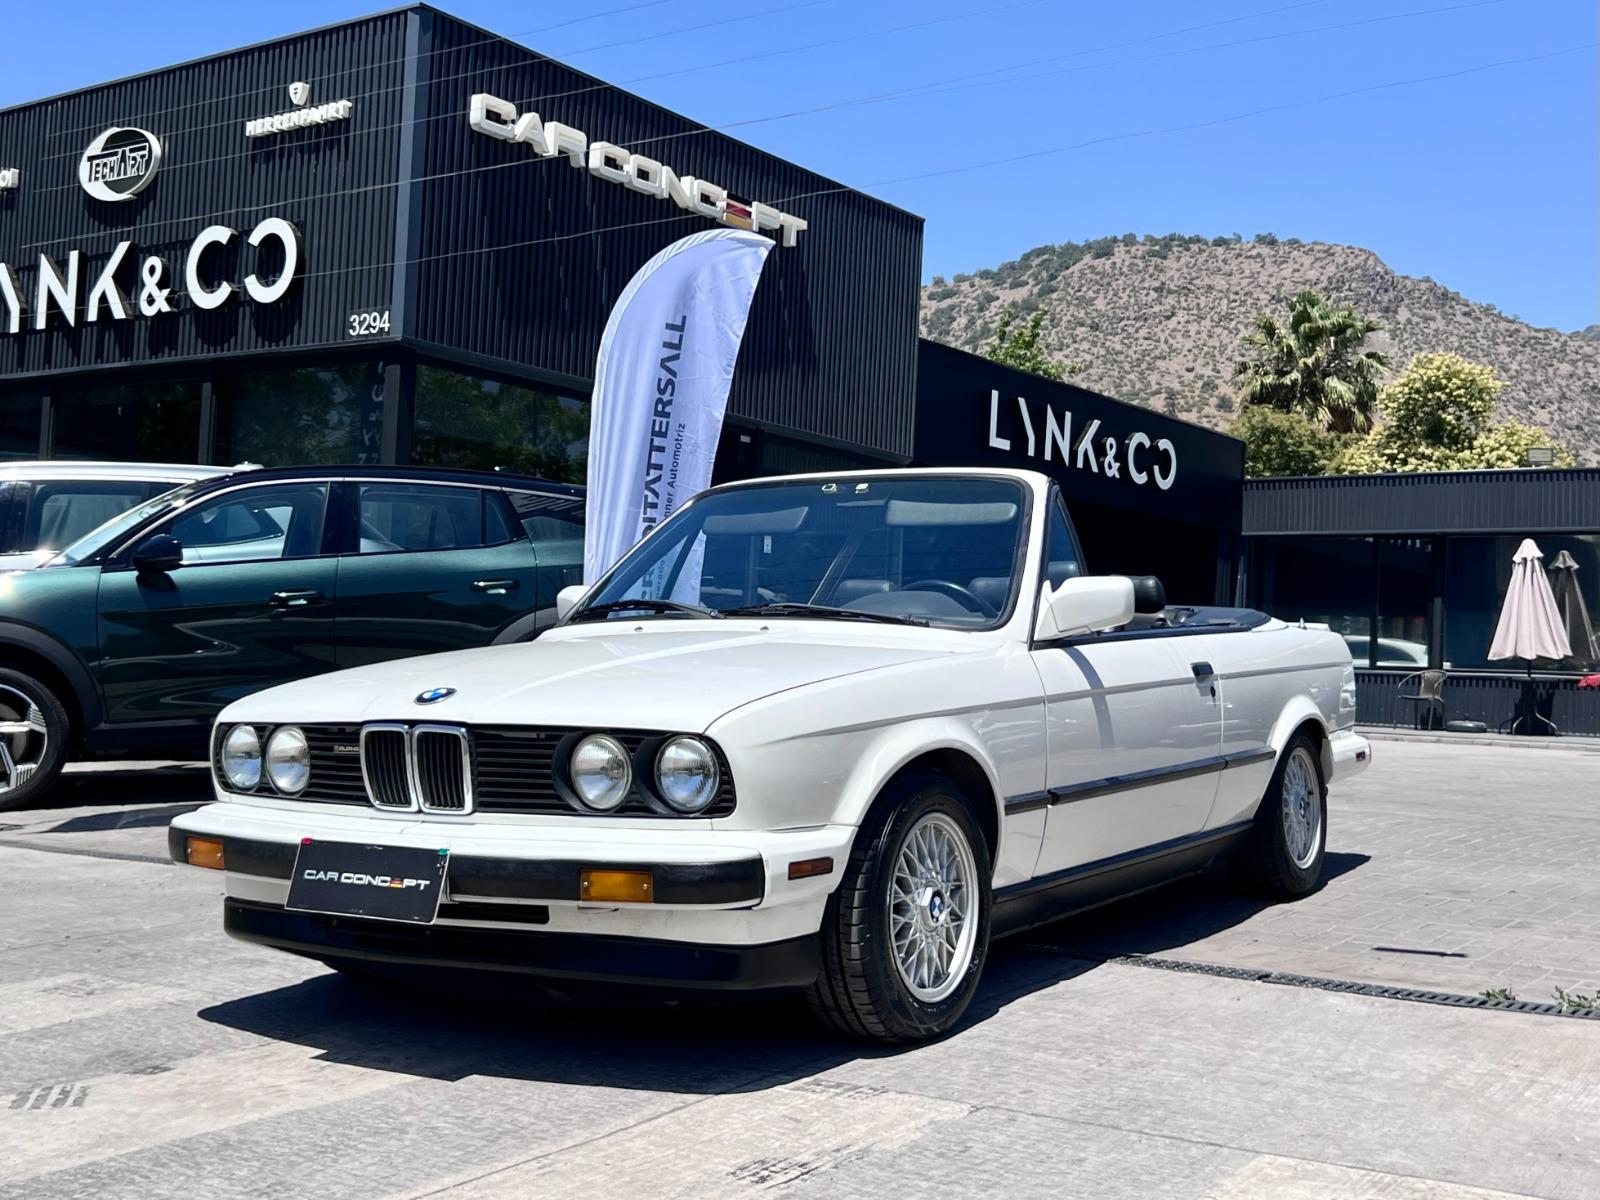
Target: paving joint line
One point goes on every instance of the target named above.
(1349, 987)
(116, 855)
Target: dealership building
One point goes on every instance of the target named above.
(398, 239)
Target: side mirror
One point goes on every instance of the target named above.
(158, 554)
(1085, 604)
(567, 599)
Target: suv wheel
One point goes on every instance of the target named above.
(33, 738)
(905, 936)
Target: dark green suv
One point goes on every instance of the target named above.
(129, 642)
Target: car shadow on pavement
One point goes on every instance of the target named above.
(179, 787)
(1167, 918)
(496, 1028)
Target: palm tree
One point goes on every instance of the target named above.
(1316, 365)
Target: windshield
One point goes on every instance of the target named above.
(104, 536)
(929, 551)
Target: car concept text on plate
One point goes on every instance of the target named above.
(829, 733)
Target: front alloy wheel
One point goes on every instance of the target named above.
(905, 935)
(33, 734)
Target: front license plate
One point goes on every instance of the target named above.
(387, 883)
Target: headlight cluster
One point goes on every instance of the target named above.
(286, 762)
(681, 773)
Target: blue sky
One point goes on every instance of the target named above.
(1486, 181)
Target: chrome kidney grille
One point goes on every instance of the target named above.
(417, 768)
(441, 769)
(386, 766)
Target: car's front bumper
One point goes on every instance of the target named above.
(1349, 753)
(724, 906)
(563, 958)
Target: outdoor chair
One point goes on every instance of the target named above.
(1427, 700)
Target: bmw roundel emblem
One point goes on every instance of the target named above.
(434, 695)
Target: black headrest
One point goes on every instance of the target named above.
(1148, 594)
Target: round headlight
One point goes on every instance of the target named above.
(288, 760)
(686, 774)
(241, 758)
(600, 772)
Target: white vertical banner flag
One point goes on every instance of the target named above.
(661, 387)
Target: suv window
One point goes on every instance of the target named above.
(549, 518)
(254, 525)
(61, 513)
(1062, 558)
(418, 516)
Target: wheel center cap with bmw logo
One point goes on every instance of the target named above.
(434, 695)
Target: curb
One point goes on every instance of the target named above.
(1385, 733)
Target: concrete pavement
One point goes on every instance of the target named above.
(142, 1054)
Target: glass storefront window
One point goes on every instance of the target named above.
(1405, 598)
(466, 421)
(1332, 581)
(19, 425)
(158, 422)
(310, 415)
(1477, 572)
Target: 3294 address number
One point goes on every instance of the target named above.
(371, 323)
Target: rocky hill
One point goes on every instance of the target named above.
(1157, 321)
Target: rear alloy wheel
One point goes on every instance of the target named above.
(1286, 849)
(906, 934)
(33, 738)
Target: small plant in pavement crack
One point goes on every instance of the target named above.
(1498, 994)
(1573, 1002)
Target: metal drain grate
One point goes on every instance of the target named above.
(1352, 987)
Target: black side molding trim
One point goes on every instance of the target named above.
(1091, 788)
(1027, 802)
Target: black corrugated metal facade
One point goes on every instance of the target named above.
(831, 344)
(507, 263)
(1526, 501)
(334, 182)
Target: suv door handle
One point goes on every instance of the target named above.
(495, 587)
(301, 599)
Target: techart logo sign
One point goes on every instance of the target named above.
(119, 164)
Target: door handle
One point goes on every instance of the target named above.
(495, 587)
(1202, 671)
(301, 599)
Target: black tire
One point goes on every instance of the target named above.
(41, 754)
(860, 991)
(1268, 861)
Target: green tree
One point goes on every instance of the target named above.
(1020, 348)
(1316, 363)
(1439, 416)
(1279, 443)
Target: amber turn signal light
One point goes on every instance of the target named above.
(809, 867)
(612, 887)
(204, 852)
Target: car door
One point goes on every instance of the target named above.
(250, 607)
(428, 567)
(554, 524)
(1133, 737)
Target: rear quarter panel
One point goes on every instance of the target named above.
(1271, 681)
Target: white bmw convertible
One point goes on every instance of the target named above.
(823, 733)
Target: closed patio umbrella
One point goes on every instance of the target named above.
(1530, 625)
(1574, 612)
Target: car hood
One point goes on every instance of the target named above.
(653, 676)
(25, 561)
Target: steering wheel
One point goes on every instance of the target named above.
(957, 593)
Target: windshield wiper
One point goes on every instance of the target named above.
(825, 611)
(653, 606)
